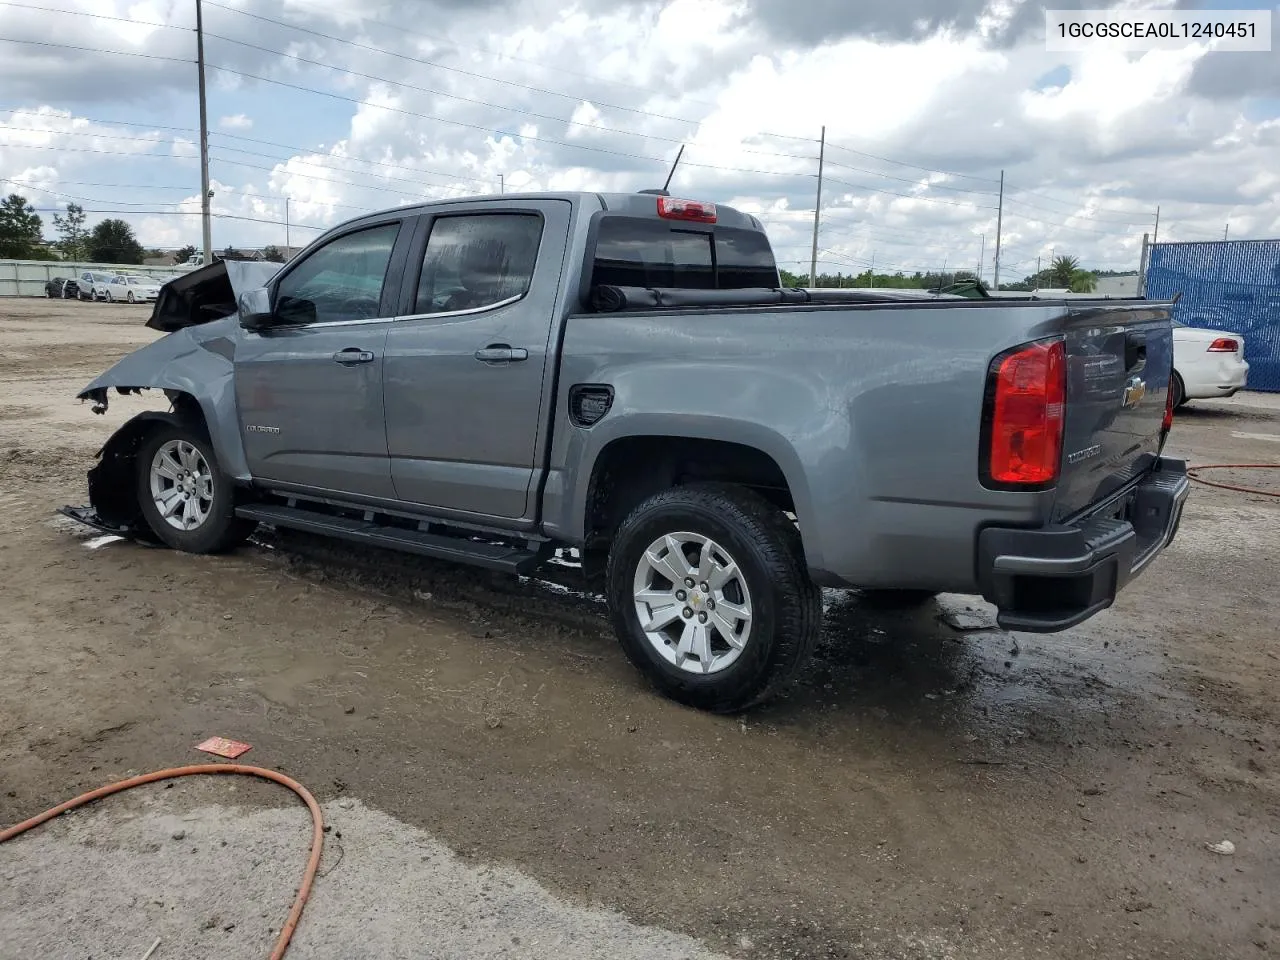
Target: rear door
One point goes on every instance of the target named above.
(465, 365)
(1119, 362)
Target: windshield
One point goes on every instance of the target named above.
(136, 281)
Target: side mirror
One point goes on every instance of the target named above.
(255, 309)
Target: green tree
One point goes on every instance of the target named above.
(73, 242)
(272, 252)
(1082, 281)
(185, 254)
(19, 228)
(1063, 270)
(112, 241)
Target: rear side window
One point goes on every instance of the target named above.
(631, 252)
(478, 260)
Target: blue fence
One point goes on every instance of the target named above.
(1229, 285)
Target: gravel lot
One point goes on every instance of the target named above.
(506, 786)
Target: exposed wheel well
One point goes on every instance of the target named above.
(112, 491)
(632, 469)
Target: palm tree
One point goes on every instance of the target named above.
(1082, 281)
(1063, 270)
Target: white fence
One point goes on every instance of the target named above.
(26, 278)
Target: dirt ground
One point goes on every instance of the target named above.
(925, 791)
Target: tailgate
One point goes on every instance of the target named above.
(1119, 361)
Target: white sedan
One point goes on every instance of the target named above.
(132, 289)
(1206, 364)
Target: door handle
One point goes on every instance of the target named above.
(501, 353)
(353, 355)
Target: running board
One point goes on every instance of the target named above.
(491, 556)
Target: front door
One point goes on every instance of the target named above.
(309, 388)
(465, 369)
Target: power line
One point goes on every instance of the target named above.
(71, 46)
(478, 102)
(69, 196)
(594, 78)
(907, 196)
(915, 180)
(365, 173)
(499, 132)
(272, 143)
(916, 166)
(410, 113)
(391, 53)
(441, 66)
(185, 213)
(1135, 220)
(312, 176)
(87, 13)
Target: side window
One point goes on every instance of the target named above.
(341, 280)
(476, 260)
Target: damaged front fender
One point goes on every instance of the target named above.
(196, 362)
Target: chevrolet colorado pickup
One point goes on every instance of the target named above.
(492, 380)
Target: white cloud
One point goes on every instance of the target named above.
(1085, 162)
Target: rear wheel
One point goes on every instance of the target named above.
(1179, 391)
(710, 597)
(186, 499)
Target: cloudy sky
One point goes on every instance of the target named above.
(344, 106)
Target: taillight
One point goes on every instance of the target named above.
(1168, 408)
(1024, 412)
(1223, 345)
(695, 210)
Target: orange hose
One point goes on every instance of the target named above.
(317, 823)
(1191, 472)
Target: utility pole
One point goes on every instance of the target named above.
(873, 269)
(502, 184)
(982, 255)
(206, 224)
(288, 246)
(1224, 231)
(1142, 266)
(1155, 236)
(817, 210)
(999, 225)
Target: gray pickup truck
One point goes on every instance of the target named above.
(498, 380)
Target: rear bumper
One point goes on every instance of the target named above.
(1217, 380)
(1055, 577)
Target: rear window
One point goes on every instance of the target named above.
(631, 252)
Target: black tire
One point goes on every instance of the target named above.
(222, 529)
(109, 298)
(786, 604)
(896, 599)
(1179, 391)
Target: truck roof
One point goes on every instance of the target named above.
(627, 204)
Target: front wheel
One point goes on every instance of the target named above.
(710, 596)
(131, 296)
(1179, 391)
(186, 499)
(109, 298)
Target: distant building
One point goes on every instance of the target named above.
(1123, 286)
